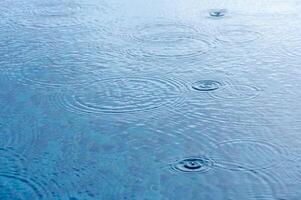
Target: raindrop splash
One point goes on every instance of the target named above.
(193, 164)
(218, 13)
(206, 85)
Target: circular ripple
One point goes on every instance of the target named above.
(53, 68)
(238, 35)
(13, 185)
(236, 92)
(15, 126)
(193, 164)
(290, 47)
(247, 155)
(206, 85)
(11, 162)
(13, 43)
(170, 40)
(217, 12)
(158, 33)
(45, 176)
(118, 95)
(45, 14)
(54, 75)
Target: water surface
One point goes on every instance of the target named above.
(150, 100)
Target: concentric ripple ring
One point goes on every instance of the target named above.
(238, 35)
(126, 94)
(236, 92)
(45, 14)
(170, 41)
(247, 154)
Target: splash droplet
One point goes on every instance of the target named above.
(217, 12)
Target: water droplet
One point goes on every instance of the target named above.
(206, 85)
(193, 164)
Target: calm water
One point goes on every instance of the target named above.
(150, 100)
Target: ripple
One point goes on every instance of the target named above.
(213, 183)
(245, 154)
(13, 183)
(238, 35)
(13, 43)
(46, 176)
(18, 129)
(166, 136)
(88, 182)
(11, 162)
(45, 14)
(126, 94)
(206, 85)
(54, 75)
(246, 113)
(236, 92)
(193, 164)
(170, 41)
(52, 69)
(158, 33)
(13, 187)
(290, 47)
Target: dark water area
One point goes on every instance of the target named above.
(150, 100)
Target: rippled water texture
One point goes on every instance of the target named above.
(150, 100)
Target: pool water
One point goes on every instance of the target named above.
(150, 100)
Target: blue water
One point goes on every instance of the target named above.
(150, 100)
